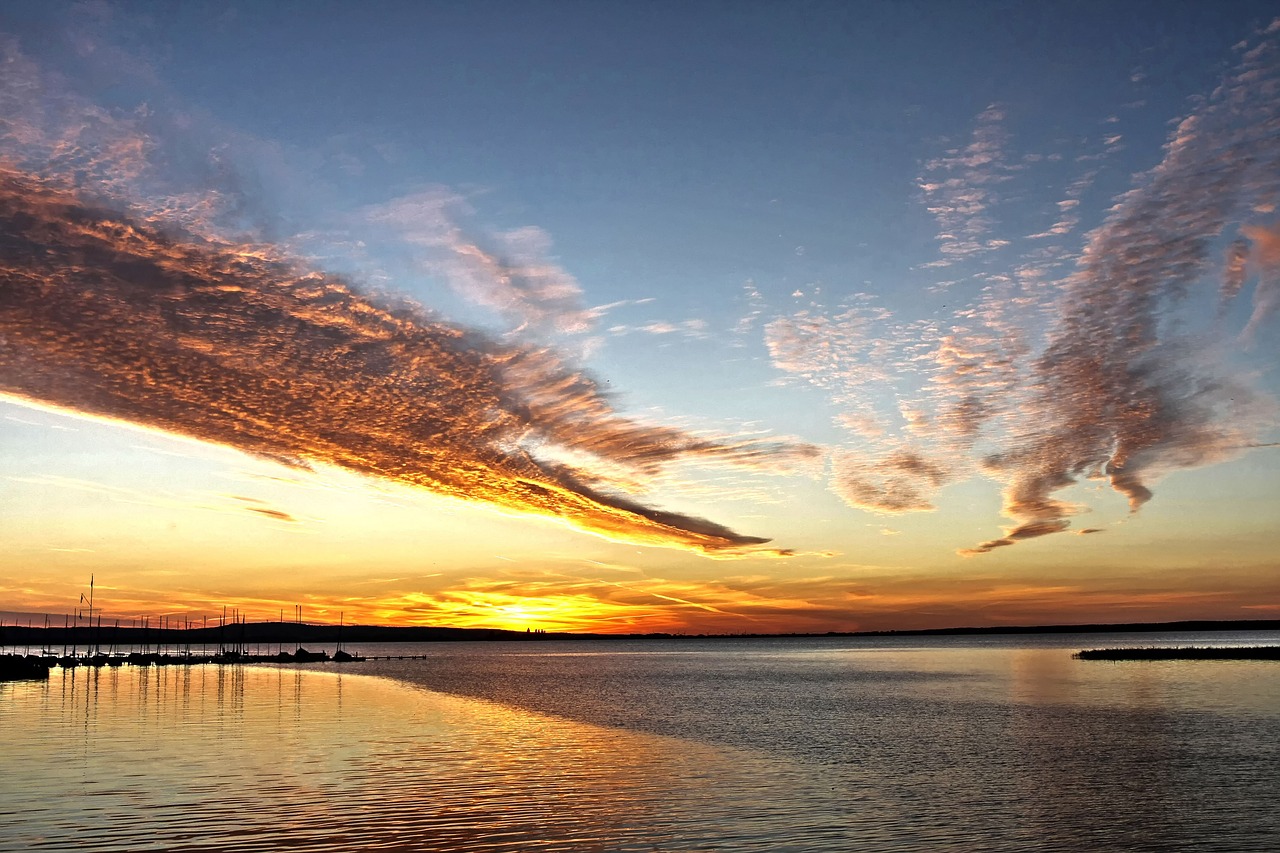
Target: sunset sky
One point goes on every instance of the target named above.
(595, 316)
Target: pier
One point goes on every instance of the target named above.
(396, 657)
(86, 639)
(38, 666)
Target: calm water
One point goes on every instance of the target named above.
(1001, 744)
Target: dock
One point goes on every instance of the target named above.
(37, 666)
(1183, 653)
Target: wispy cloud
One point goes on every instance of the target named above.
(277, 514)
(1118, 392)
(846, 350)
(236, 345)
(261, 508)
(904, 481)
(1093, 362)
(1265, 257)
(960, 189)
(511, 272)
(128, 294)
(694, 329)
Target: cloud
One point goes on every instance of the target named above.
(846, 352)
(510, 272)
(694, 329)
(277, 514)
(258, 506)
(1068, 213)
(959, 189)
(1233, 277)
(1030, 530)
(902, 482)
(754, 309)
(1074, 364)
(1265, 258)
(236, 345)
(1118, 393)
(583, 600)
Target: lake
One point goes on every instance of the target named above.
(999, 743)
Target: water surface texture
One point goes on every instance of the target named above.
(817, 744)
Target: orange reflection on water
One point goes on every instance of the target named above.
(228, 758)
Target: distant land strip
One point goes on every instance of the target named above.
(1184, 653)
(13, 634)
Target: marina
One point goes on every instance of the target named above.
(15, 666)
(37, 666)
(231, 641)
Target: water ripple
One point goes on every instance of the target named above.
(274, 760)
(713, 747)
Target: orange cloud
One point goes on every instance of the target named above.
(582, 598)
(1266, 261)
(237, 346)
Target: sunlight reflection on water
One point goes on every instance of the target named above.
(241, 758)
(788, 746)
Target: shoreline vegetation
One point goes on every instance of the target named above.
(240, 633)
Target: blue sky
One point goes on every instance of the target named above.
(880, 282)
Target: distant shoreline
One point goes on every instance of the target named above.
(248, 633)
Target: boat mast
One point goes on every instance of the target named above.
(95, 633)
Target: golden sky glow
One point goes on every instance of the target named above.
(227, 345)
(465, 355)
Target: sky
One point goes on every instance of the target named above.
(695, 317)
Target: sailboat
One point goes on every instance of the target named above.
(339, 654)
(301, 655)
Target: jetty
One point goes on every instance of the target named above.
(13, 666)
(1183, 653)
(171, 643)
